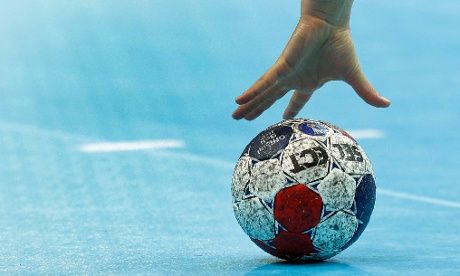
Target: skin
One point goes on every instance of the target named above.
(320, 50)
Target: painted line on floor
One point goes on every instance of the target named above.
(361, 134)
(425, 199)
(174, 144)
(131, 146)
(230, 165)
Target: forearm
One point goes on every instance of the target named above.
(335, 12)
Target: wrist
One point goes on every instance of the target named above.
(335, 12)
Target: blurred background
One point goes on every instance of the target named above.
(74, 73)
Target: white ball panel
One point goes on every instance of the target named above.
(337, 190)
(305, 160)
(255, 219)
(349, 155)
(267, 179)
(332, 234)
(369, 167)
(241, 176)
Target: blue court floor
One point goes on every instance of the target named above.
(117, 145)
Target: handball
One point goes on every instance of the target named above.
(303, 190)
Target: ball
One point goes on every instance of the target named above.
(303, 190)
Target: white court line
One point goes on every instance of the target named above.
(168, 144)
(131, 146)
(366, 133)
(425, 199)
(385, 192)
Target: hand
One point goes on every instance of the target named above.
(318, 51)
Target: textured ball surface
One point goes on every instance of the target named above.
(303, 190)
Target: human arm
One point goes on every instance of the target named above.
(320, 50)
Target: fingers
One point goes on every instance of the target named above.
(298, 101)
(266, 81)
(365, 90)
(272, 93)
(264, 106)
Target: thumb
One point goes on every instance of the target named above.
(365, 90)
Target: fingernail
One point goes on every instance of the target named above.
(236, 116)
(388, 102)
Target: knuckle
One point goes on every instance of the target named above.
(352, 73)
